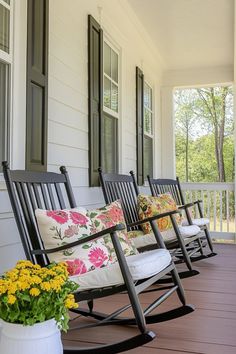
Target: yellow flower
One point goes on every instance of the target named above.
(24, 264)
(45, 286)
(70, 302)
(34, 292)
(11, 299)
(12, 288)
(23, 284)
(25, 272)
(36, 279)
(3, 289)
(37, 266)
(12, 274)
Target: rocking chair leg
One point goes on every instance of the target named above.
(181, 244)
(180, 289)
(200, 247)
(90, 305)
(134, 300)
(209, 241)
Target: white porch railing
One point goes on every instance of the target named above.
(218, 203)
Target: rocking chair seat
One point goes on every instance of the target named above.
(198, 222)
(141, 266)
(144, 240)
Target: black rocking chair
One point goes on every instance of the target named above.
(125, 188)
(173, 186)
(46, 190)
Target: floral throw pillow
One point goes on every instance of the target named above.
(60, 227)
(109, 216)
(150, 206)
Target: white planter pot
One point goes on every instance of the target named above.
(41, 338)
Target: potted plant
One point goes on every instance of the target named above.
(34, 303)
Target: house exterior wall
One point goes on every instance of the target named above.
(68, 98)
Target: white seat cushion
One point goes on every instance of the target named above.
(189, 230)
(142, 265)
(168, 235)
(199, 222)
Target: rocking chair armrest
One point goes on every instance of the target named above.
(197, 201)
(156, 217)
(89, 238)
(186, 206)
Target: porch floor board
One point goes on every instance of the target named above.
(210, 329)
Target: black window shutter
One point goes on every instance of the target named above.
(37, 85)
(139, 126)
(95, 98)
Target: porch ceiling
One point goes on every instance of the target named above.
(189, 33)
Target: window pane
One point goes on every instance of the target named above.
(4, 75)
(4, 28)
(110, 151)
(7, 1)
(147, 121)
(107, 59)
(148, 157)
(114, 66)
(114, 98)
(147, 96)
(107, 93)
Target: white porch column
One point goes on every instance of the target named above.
(234, 85)
(168, 139)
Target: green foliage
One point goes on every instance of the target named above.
(204, 134)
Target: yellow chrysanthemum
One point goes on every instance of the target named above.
(36, 279)
(45, 286)
(3, 289)
(11, 299)
(24, 264)
(23, 285)
(12, 274)
(70, 302)
(12, 288)
(25, 272)
(34, 292)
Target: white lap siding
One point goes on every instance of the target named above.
(68, 101)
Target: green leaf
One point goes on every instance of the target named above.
(92, 215)
(86, 246)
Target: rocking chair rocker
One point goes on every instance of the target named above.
(46, 190)
(173, 186)
(125, 188)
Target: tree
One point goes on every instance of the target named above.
(204, 134)
(184, 123)
(214, 106)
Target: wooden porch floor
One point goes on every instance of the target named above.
(210, 329)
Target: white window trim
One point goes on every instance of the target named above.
(149, 110)
(7, 58)
(106, 109)
(17, 106)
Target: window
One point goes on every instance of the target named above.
(5, 71)
(148, 131)
(110, 109)
(37, 85)
(103, 78)
(144, 118)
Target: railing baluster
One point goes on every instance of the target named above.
(203, 204)
(220, 211)
(214, 210)
(208, 207)
(227, 209)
